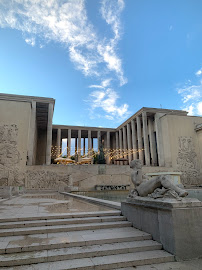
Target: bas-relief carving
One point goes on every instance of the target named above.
(10, 175)
(187, 161)
(46, 179)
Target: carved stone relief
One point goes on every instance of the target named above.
(46, 179)
(10, 174)
(187, 161)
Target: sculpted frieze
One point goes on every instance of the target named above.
(42, 179)
(187, 160)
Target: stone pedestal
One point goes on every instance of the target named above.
(175, 224)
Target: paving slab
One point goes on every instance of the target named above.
(185, 265)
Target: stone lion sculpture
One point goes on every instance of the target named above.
(156, 187)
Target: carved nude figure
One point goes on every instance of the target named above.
(144, 186)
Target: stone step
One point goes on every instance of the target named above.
(53, 222)
(53, 255)
(40, 242)
(63, 228)
(103, 262)
(61, 216)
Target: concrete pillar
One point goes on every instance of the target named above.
(134, 139)
(117, 147)
(145, 137)
(58, 142)
(129, 143)
(79, 143)
(159, 140)
(49, 134)
(69, 142)
(124, 144)
(32, 134)
(108, 148)
(152, 142)
(139, 137)
(89, 144)
(121, 145)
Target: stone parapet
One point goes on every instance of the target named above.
(175, 224)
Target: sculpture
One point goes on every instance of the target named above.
(157, 187)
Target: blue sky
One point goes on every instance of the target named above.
(102, 60)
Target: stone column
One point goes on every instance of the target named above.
(92, 143)
(49, 134)
(134, 139)
(152, 142)
(32, 134)
(117, 146)
(159, 140)
(79, 143)
(124, 143)
(129, 143)
(121, 145)
(108, 148)
(139, 137)
(58, 142)
(98, 139)
(84, 146)
(76, 146)
(145, 137)
(89, 144)
(69, 142)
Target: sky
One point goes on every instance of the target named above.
(103, 60)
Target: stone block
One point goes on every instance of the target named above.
(175, 224)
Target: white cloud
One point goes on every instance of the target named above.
(30, 41)
(67, 23)
(191, 97)
(107, 101)
(199, 108)
(189, 109)
(103, 85)
(199, 72)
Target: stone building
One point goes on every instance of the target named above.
(165, 140)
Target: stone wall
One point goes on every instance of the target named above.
(182, 150)
(76, 177)
(81, 177)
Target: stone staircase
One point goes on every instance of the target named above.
(94, 240)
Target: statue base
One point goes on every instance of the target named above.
(175, 224)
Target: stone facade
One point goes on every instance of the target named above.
(165, 141)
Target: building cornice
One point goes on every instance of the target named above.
(29, 99)
(83, 128)
(152, 111)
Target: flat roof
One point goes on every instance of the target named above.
(151, 111)
(22, 98)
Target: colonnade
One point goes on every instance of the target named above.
(80, 141)
(137, 138)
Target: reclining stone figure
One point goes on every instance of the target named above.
(155, 187)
